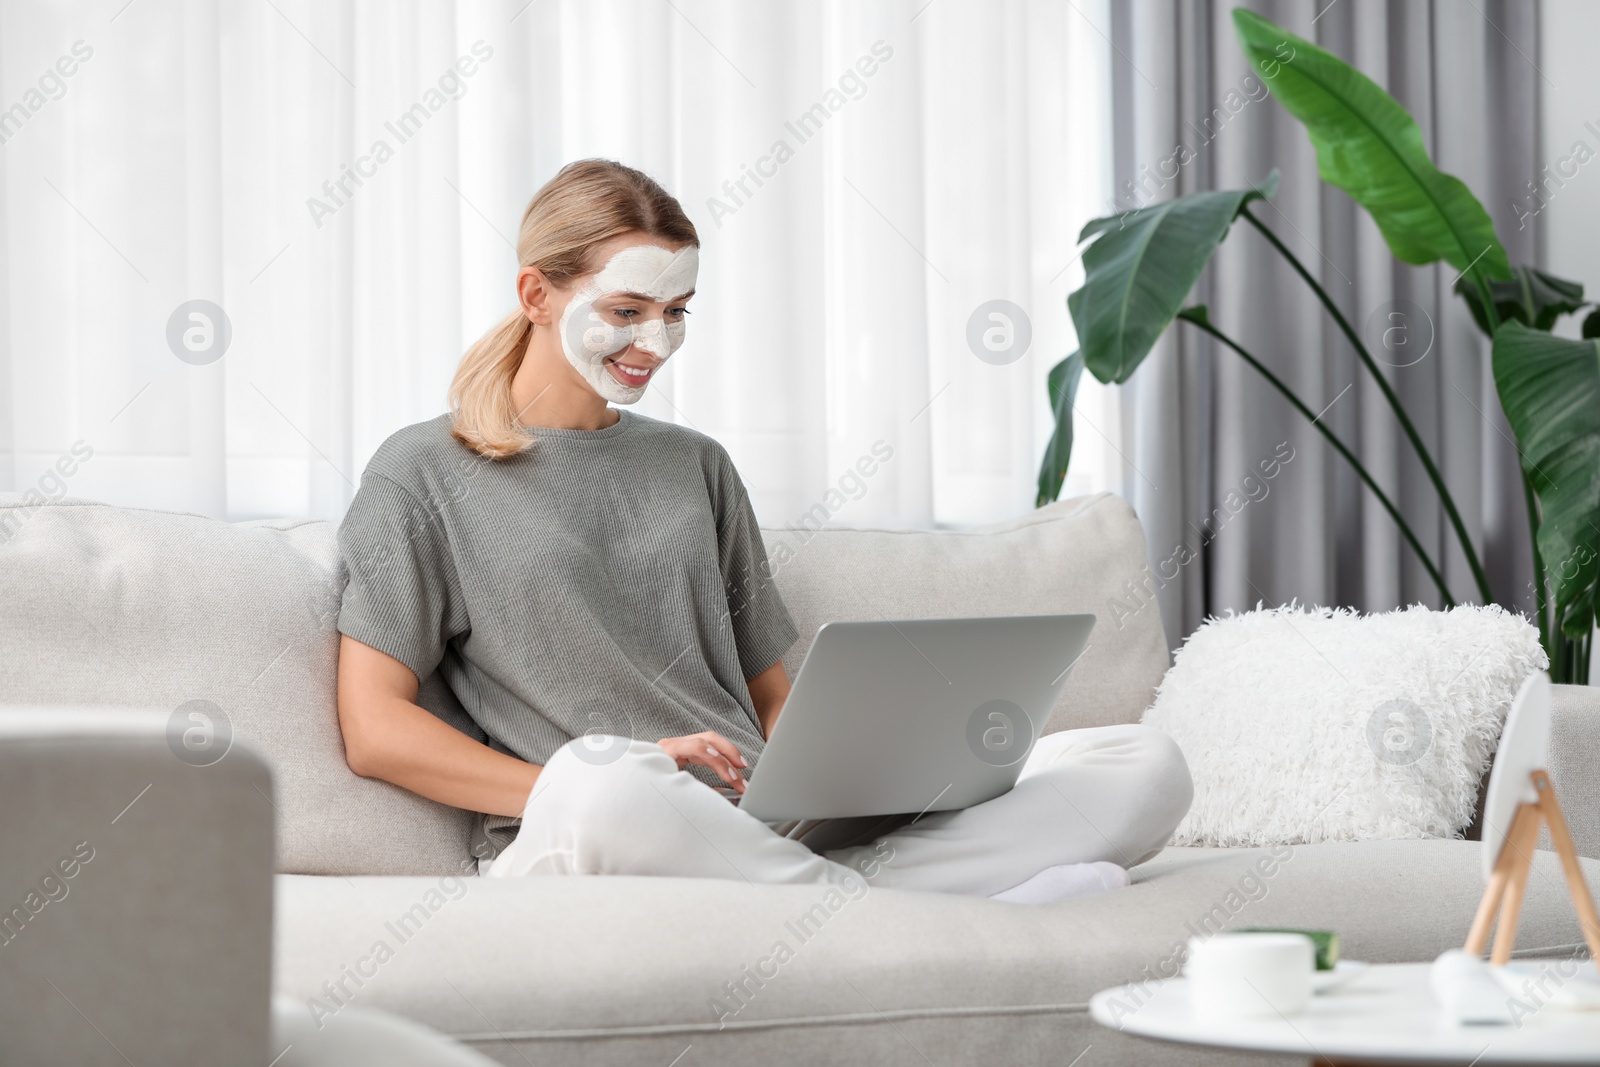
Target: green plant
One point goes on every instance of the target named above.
(1142, 265)
(1550, 390)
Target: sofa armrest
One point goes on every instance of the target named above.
(1575, 762)
(361, 1036)
(135, 891)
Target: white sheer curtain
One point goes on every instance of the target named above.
(938, 156)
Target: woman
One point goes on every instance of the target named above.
(591, 586)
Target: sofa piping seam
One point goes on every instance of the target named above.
(849, 1019)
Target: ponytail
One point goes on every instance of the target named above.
(480, 393)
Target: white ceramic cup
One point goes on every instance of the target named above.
(1242, 976)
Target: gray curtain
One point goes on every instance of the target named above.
(1203, 423)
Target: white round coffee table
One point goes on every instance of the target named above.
(1386, 1014)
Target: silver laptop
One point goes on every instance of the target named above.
(913, 716)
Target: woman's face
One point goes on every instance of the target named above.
(620, 323)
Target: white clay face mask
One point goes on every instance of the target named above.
(591, 335)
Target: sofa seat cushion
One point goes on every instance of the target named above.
(519, 968)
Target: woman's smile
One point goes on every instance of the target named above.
(629, 374)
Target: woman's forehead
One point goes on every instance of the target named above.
(649, 271)
(599, 254)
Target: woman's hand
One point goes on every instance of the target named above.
(708, 749)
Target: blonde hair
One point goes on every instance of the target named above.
(586, 204)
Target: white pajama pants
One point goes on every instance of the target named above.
(1107, 793)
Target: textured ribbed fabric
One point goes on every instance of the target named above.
(605, 581)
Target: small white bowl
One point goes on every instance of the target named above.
(1250, 975)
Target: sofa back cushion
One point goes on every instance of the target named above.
(123, 607)
(131, 608)
(1073, 556)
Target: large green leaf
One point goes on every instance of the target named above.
(1139, 269)
(1371, 148)
(1531, 297)
(1063, 386)
(1550, 389)
(1591, 324)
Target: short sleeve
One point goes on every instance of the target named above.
(762, 627)
(402, 596)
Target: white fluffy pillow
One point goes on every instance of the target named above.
(1305, 725)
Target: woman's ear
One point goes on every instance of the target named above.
(536, 294)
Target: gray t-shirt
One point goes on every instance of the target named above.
(605, 581)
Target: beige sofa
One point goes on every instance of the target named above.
(375, 906)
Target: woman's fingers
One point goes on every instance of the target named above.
(723, 756)
(727, 748)
(708, 749)
(710, 757)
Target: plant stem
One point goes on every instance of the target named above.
(1350, 457)
(1415, 438)
(1547, 635)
